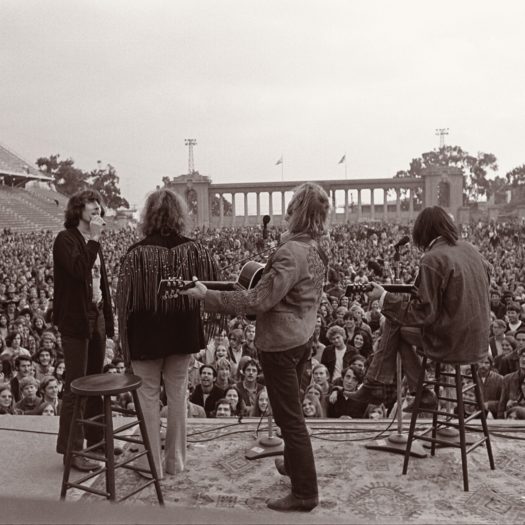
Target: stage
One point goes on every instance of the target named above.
(357, 485)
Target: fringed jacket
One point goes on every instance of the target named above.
(151, 327)
(285, 299)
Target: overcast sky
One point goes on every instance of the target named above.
(125, 82)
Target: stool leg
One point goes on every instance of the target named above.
(109, 447)
(417, 401)
(69, 451)
(145, 439)
(461, 421)
(479, 401)
(437, 377)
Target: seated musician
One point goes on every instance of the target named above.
(448, 318)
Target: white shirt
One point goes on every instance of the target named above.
(339, 353)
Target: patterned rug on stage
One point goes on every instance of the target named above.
(356, 484)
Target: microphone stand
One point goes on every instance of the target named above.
(266, 446)
(397, 441)
(269, 445)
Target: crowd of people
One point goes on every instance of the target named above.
(225, 376)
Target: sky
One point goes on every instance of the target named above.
(126, 82)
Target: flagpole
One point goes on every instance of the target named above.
(345, 167)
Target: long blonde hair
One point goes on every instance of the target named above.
(308, 211)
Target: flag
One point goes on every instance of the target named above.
(343, 159)
(280, 161)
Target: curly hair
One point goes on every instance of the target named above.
(165, 212)
(308, 211)
(76, 204)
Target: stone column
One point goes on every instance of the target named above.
(334, 207)
(359, 206)
(410, 204)
(245, 208)
(385, 204)
(372, 205)
(398, 204)
(258, 202)
(346, 205)
(221, 210)
(270, 203)
(283, 213)
(233, 209)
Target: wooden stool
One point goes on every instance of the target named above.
(448, 380)
(108, 385)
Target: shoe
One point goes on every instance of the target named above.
(368, 393)
(428, 402)
(279, 465)
(83, 464)
(291, 503)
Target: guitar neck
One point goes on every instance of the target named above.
(221, 286)
(392, 288)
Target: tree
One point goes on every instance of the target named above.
(215, 206)
(475, 168)
(68, 179)
(105, 181)
(516, 177)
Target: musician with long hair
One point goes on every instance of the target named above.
(285, 301)
(159, 335)
(447, 318)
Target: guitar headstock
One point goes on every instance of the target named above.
(357, 288)
(169, 288)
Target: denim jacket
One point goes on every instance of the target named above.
(285, 299)
(451, 305)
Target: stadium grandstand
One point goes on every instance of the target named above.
(27, 199)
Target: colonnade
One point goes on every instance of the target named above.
(366, 207)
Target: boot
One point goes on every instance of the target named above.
(369, 393)
(290, 502)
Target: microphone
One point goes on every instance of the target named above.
(266, 219)
(404, 240)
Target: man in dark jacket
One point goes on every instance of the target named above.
(82, 311)
(449, 316)
(207, 393)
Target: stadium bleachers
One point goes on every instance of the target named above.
(31, 210)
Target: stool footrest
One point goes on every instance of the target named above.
(88, 489)
(138, 489)
(90, 455)
(136, 441)
(126, 411)
(439, 441)
(90, 475)
(125, 427)
(454, 400)
(477, 444)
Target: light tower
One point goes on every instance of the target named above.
(190, 143)
(441, 132)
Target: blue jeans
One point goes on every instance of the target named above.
(396, 338)
(282, 373)
(82, 357)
